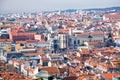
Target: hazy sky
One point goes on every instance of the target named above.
(44, 5)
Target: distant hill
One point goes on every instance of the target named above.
(69, 10)
(106, 9)
(91, 9)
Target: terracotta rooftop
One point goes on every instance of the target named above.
(5, 40)
(13, 76)
(109, 75)
(51, 70)
(61, 31)
(31, 54)
(112, 15)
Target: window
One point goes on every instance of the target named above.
(78, 41)
(21, 44)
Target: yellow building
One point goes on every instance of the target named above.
(18, 47)
(7, 47)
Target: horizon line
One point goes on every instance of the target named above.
(8, 11)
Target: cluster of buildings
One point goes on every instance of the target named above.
(81, 45)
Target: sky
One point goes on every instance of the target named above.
(49, 5)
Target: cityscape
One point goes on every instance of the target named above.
(65, 44)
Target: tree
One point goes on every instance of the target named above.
(118, 66)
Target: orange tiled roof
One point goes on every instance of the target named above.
(20, 41)
(84, 77)
(93, 63)
(5, 40)
(13, 76)
(23, 34)
(51, 70)
(109, 75)
(31, 40)
(31, 54)
(61, 30)
(112, 15)
(42, 48)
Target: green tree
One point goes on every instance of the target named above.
(118, 65)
